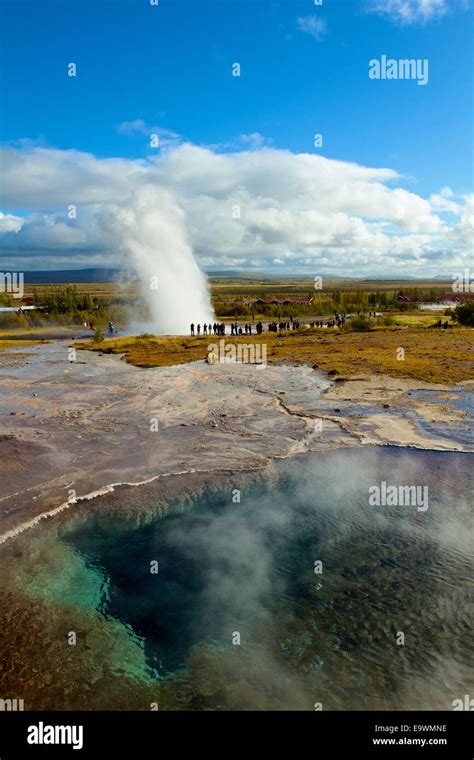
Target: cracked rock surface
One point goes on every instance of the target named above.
(68, 429)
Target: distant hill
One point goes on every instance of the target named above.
(102, 274)
(407, 278)
(60, 276)
(243, 274)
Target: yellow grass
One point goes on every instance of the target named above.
(19, 344)
(421, 319)
(437, 356)
(35, 333)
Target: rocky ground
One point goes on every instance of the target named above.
(72, 428)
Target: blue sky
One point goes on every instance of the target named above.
(169, 65)
(304, 70)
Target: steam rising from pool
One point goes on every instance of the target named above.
(237, 616)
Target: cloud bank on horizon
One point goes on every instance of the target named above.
(261, 209)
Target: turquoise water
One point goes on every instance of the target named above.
(237, 592)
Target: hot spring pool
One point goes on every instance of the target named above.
(288, 594)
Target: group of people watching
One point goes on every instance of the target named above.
(292, 325)
(236, 329)
(338, 321)
(218, 328)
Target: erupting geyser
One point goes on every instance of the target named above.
(153, 237)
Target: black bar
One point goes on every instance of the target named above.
(312, 734)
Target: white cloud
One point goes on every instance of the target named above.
(254, 140)
(298, 211)
(414, 11)
(10, 223)
(130, 127)
(441, 202)
(446, 192)
(139, 126)
(313, 25)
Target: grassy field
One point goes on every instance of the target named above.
(4, 344)
(242, 286)
(37, 333)
(432, 355)
(233, 296)
(420, 319)
(101, 291)
(252, 285)
(436, 356)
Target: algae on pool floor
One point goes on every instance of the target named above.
(296, 594)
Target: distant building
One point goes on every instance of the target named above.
(280, 301)
(447, 298)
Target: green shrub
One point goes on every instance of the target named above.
(464, 314)
(362, 323)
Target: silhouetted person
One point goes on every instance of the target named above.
(192, 328)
